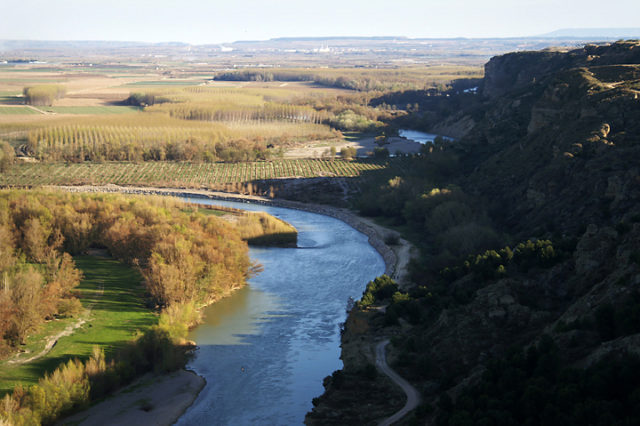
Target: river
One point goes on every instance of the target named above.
(420, 137)
(265, 350)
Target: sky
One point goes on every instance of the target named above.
(214, 21)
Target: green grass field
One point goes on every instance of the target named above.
(166, 83)
(192, 175)
(17, 111)
(91, 109)
(114, 295)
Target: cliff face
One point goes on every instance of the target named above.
(514, 71)
(561, 152)
(555, 153)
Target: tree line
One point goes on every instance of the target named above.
(183, 258)
(43, 95)
(187, 259)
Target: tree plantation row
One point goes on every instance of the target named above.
(143, 137)
(221, 176)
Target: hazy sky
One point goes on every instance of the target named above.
(213, 21)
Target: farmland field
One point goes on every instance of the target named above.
(201, 175)
(17, 111)
(166, 83)
(91, 109)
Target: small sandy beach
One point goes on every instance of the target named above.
(364, 147)
(150, 400)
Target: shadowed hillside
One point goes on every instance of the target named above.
(537, 323)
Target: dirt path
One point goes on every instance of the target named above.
(68, 331)
(402, 249)
(37, 109)
(413, 396)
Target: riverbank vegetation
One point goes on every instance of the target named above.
(112, 313)
(256, 228)
(186, 260)
(262, 229)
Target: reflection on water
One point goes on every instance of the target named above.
(232, 317)
(418, 136)
(265, 350)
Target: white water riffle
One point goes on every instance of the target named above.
(265, 350)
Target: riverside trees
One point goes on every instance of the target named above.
(184, 258)
(187, 259)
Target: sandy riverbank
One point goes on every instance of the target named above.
(170, 395)
(150, 400)
(364, 147)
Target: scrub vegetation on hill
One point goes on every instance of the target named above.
(522, 307)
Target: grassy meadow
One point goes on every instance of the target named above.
(112, 296)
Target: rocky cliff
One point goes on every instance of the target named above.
(506, 73)
(560, 151)
(554, 150)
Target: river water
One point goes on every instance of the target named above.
(418, 136)
(265, 350)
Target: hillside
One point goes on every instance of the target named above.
(544, 326)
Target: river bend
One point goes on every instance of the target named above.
(265, 350)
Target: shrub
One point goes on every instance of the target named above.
(7, 156)
(69, 307)
(44, 94)
(383, 287)
(468, 238)
(348, 152)
(380, 153)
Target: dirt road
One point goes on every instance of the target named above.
(413, 397)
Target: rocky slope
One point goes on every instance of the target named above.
(560, 152)
(556, 155)
(555, 152)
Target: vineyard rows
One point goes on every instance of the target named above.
(206, 175)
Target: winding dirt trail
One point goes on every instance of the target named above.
(68, 331)
(413, 396)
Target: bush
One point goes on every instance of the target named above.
(381, 288)
(7, 156)
(43, 94)
(380, 153)
(468, 238)
(176, 319)
(350, 121)
(348, 152)
(69, 307)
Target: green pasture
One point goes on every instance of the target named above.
(114, 297)
(91, 109)
(17, 110)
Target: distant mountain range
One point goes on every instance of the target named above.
(298, 51)
(594, 33)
